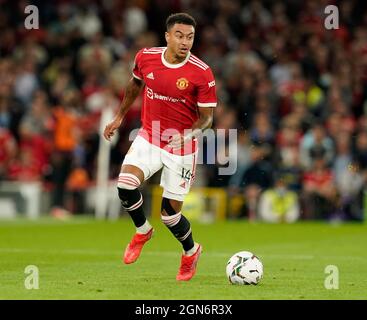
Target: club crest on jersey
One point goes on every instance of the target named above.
(182, 83)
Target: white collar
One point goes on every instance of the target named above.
(174, 65)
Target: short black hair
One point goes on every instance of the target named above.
(181, 17)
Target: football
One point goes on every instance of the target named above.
(244, 268)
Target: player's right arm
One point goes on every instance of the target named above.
(133, 89)
(134, 86)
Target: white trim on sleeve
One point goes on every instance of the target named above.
(135, 76)
(207, 105)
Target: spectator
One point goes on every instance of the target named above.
(319, 192)
(30, 49)
(262, 131)
(287, 155)
(300, 115)
(256, 178)
(361, 149)
(135, 20)
(8, 152)
(26, 82)
(95, 57)
(343, 157)
(37, 121)
(243, 159)
(316, 138)
(279, 204)
(87, 22)
(65, 142)
(351, 185)
(34, 142)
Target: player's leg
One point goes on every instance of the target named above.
(130, 179)
(131, 198)
(180, 227)
(177, 176)
(137, 167)
(178, 224)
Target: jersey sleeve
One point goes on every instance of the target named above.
(207, 96)
(137, 63)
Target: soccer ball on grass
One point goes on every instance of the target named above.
(244, 268)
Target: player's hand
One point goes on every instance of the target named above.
(110, 129)
(176, 142)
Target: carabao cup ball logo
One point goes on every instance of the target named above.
(182, 83)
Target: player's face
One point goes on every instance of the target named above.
(180, 39)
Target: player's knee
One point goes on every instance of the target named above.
(130, 199)
(128, 181)
(123, 193)
(169, 216)
(128, 191)
(167, 207)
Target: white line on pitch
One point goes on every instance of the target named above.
(209, 254)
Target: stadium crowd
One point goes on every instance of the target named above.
(296, 92)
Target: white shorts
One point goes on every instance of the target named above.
(178, 172)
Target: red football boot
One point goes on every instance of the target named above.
(135, 246)
(188, 266)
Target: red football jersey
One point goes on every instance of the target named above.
(172, 93)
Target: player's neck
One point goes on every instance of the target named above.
(172, 58)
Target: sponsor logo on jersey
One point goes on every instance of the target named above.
(153, 95)
(182, 83)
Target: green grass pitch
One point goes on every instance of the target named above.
(81, 259)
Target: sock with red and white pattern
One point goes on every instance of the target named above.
(181, 229)
(132, 202)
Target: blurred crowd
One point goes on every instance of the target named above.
(296, 92)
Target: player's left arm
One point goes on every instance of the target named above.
(204, 122)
